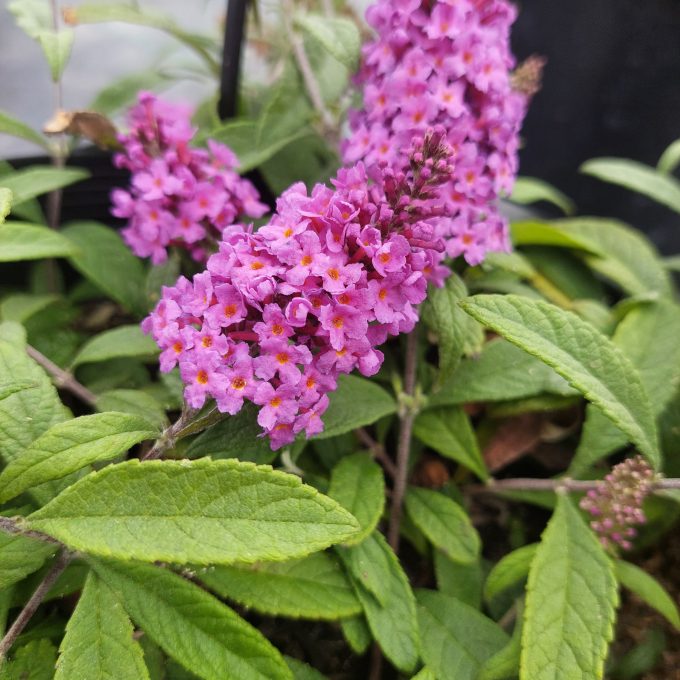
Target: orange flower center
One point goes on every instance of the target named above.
(338, 322)
(238, 383)
(310, 383)
(276, 401)
(277, 329)
(382, 294)
(344, 299)
(282, 358)
(202, 377)
(229, 311)
(333, 274)
(384, 257)
(306, 260)
(255, 265)
(288, 233)
(207, 341)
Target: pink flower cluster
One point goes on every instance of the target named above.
(445, 62)
(180, 196)
(281, 312)
(616, 505)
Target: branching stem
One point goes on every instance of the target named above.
(34, 602)
(61, 378)
(565, 484)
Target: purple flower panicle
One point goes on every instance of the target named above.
(179, 196)
(446, 62)
(616, 505)
(281, 312)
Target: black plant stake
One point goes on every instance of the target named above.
(231, 57)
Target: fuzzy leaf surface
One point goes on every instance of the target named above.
(191, 626)
(358, 484)
(70, 446)
(22, 241)
(581, 354)
(571, 602)
(124, 341)
(456, 639)
(98, 642)
(202, 512)
(314, 587)
(510, 570)
(447, 430)
(392, 620)
(444, 522)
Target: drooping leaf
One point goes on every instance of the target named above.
(357, 402)
(638, 177)
(509, 571)
(124, 341)
(98, 643)
(32, 661)
(670, 158)
(456, 639)
(449, 322)
(314, 587)
(202, 512)
(70, 446)
(357, 633)
(234, 437)
(648, 336)
(392, 620)
(135, 402)
(571, 600)
(447, 430)
(38, 180)
(444, 522)
(301, 670)
(191, 626)
(580, 354)
(26, 414)
(501, 372)
(22, 241)
(105, 260)
(648, 589)
(358, 484)
(529, 190)
(92, 13)
(11, 126)
(338, 36)
(462, 581)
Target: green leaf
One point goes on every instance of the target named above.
(98, 643)
(637, 177)
(5, 203)
(94, 13)
(70, 446)
(447, 430)
(504, 664)
(234, 437)
(357, 633)
(301, 670)
(535, 233)
(57, 48)
(314, 587)
(124, 341)
(392, 621)
(462, 581)
(509, 571)
(135, 402)
(9, 388)
(357, 402)
(123, 92)
(580, 354)
(456, 639)
(446, 525)
(501, 372)
(14, 127)
(22, 241)
(38, 180)
(620, 253)
(531, 190)
(204, 512)
(338, 36)
(670, 158)
(33, 661)
(571, 602)
(648, 336)
(358, 484)
(191, 626)
(648, 589)
(21, 307)
(105, 260)
(21, 556)
(450, 324)
(26, 414)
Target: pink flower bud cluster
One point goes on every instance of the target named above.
(280, 312)
(180, 196)
(616, 505)
(445, 62)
